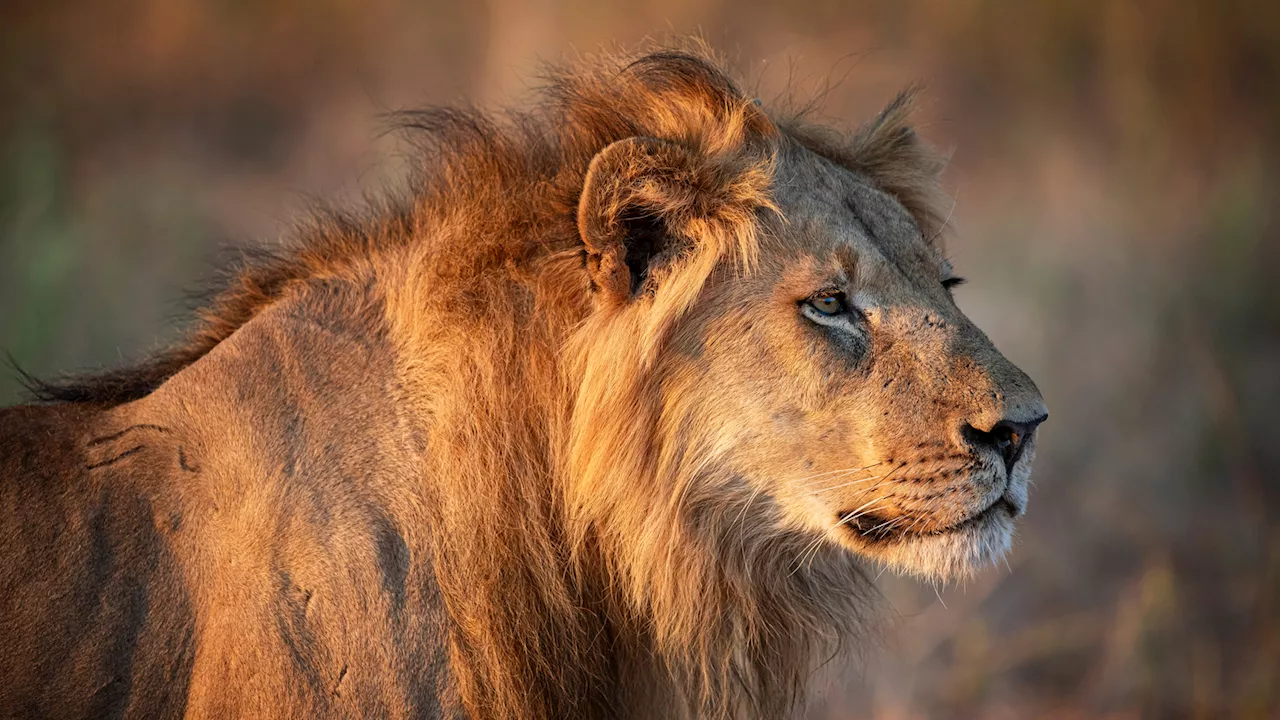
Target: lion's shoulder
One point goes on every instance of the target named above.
(260, 502)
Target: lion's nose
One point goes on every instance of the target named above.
(1007, 437)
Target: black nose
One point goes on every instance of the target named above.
(1006, 437)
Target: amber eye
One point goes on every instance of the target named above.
(828, 303)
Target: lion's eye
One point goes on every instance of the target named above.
(828, 303)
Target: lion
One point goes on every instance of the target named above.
(608, 416)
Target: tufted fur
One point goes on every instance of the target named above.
(539, 441)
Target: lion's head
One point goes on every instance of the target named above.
(814, 366)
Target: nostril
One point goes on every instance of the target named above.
(980, 438)
(1003, 433)
(1006, 437)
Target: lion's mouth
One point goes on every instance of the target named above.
(875, 529)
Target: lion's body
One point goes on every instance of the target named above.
(562, 436)
(236, 544)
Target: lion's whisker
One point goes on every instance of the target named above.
(861, 480)
(942, 228)
(845, 484)
(919, 519)
(886, 524)
(843, 471)
(751, 499)
(800, 558)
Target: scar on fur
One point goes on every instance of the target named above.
(182, 461)
(338, 685)
(122, 433)
(116, 459)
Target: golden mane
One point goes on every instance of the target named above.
(567, 547)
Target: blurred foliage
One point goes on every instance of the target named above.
(1116, 166)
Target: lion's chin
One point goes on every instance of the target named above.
(955, 553)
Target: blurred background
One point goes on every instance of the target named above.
(1116, 170)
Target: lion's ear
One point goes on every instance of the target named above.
(628, 215)
(902, 164)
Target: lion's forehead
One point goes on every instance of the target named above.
(834, 214)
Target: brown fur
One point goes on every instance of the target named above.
(513, 448)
